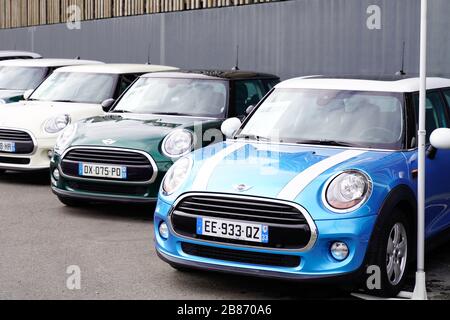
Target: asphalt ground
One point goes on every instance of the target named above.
(113, 247)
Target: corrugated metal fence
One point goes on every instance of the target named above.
(22, 13)
(288, 38)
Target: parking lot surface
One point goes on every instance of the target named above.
(113, 246)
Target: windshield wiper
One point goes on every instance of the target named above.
(64, 101)
(330, 143)
(172, 114)
(253, 137)
(120, 111)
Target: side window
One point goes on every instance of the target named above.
(125, 81)
(247, 93)
(436, 113)
(271, 83)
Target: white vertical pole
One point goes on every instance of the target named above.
(420, 291)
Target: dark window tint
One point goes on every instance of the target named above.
(125, 81)
(271, 83)
(435, 112)
(246, 94)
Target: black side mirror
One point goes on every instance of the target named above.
(107, 104)
(250, 109)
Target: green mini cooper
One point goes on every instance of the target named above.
(123, 155)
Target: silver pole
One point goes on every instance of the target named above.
(420, 292)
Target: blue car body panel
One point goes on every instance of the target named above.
(268, 168)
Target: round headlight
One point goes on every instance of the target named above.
(176, 175)
(56, 124)
(65, 138)
(178, 144)
(348, 191)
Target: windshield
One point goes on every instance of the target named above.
(202, 98)
(77, 87)
(329, 117)
(21, 78)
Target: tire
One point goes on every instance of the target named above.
(2, 171)
(71, 203)
(392, 236)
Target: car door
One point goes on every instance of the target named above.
(437, 164)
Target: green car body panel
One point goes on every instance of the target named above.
(133, 132)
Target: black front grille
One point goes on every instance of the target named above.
(19, 161)
(111, 189)
(288, 227)
(247, 257)
(139, 168)
(23, 141)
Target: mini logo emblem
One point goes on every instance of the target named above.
(242, 187)
(109, 142)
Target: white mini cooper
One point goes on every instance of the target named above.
(29, 129)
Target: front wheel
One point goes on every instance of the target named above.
(2, 171)
(391, 252)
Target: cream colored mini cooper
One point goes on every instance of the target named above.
(29, 129)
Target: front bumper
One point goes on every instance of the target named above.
(315, 263)
(38, 160)
(105, 191)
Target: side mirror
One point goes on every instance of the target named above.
(440, 139)
(230, 126)
(250, 109)
(27, 94)
(107, 104)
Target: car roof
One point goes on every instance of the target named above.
(213, 75)
(117, 68)
(378, 84)
(54, 63)
(16, 53)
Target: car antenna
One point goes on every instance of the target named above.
(77, 58)
(236, 67)
(402, 71)
(148, 53)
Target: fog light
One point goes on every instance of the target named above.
(339, 251)
(164, 231)
(50, 154)
(56, 174)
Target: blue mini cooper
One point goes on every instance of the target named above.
(319, 182)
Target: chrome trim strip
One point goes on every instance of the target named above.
(291, 191)
(150, 158)
(33, 139)
(204, 174)
(309, 220)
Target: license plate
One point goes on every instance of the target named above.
(6, 146)
(102, 171)
(233, 230)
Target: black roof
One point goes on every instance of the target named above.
(212, 74)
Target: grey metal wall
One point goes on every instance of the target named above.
(290, 38)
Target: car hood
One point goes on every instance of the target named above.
(286, 172)
(31, 115)
(7, 94)
(133, 131)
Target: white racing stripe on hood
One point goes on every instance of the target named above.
(205, 172)
(300, 182)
